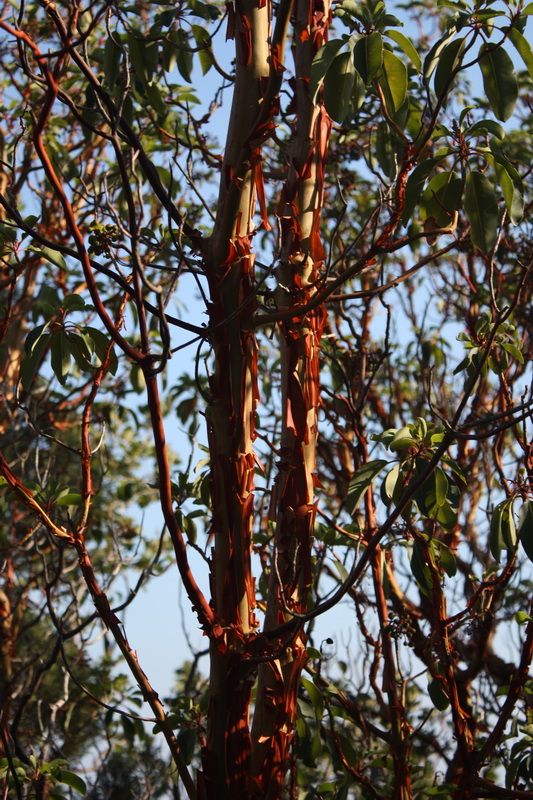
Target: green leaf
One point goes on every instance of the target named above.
(420, 568)
(31, 363)
(69, 499)
(525, 528)
(101, 343)
(511, 185)
(407, 46)
(441, 486)
(60, 356)
(169, 54)
(81, 349)
(203, 40)
(315, 695)
(73, 302)
(513, 350)
(414, 186)
(523, 47)
(321, 64)
(402, 439)
(499, 80)
(143, 55)
(50, 255)
(438, 696)
(481, 208)
(389, 147)
(486, 126)
(448, 62)
(432, 59)
(338, 86)
(440, 199)
(72, 780)
(496, 540)
(33, 338)
(112, 58)
(447, 561)
(361, 481)
(389, 485)
(368, 56)
(394, 81)
(184, 57)
(509, 525)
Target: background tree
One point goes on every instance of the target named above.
(367, 210)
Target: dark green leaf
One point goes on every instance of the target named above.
(388, 149)
(499, 80)
(432, 58)
(112, 58)
(447, 561)
(420, 569)
(449, 60)
(368, 56)
(31, 363)
(440, 199)
(73, 302)
(511, 186)
(481, 208)
(72, 780)
(60, 356)
(496, 540)
(338, 86)
(438, 696)
(33, 337)
(321, 64)
(187, 741)
(361, 481)
(523, 47)
(415, 184)
(525, 528)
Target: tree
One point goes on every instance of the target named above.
(368, 209)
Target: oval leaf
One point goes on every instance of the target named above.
(361, 481)
(338, 85)
(447, 64)
(368, 56)
(407, 46)
(481, 207)
(394, 81)
(499, 80)
(525, 528)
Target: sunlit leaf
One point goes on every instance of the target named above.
(394, 81)
(407, 46)
(368, 56)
